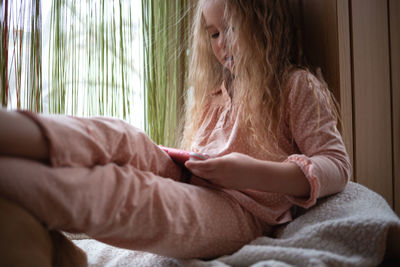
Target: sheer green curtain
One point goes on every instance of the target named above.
(166, 49)
(80, 58)
(20, 56)
(95, 58)
(118, 58)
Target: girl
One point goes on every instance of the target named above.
(267, 125)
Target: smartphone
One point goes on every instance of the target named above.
(181, 156)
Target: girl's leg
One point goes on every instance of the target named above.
(129, 208)
(74, 141)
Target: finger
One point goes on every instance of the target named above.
(205, 170)
(204, 165)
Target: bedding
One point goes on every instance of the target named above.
(353, 228)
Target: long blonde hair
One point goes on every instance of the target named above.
(267, 46)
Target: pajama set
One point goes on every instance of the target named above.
(109, 180)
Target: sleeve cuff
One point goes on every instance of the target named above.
(307, 167)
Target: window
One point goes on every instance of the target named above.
(87, 60)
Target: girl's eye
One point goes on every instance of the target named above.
(215, 35)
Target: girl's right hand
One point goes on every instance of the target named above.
(229, 171)
(239, 171)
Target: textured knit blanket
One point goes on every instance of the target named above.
(352, 228)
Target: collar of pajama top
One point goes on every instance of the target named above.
(221, 132)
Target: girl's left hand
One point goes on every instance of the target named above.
(229, 171)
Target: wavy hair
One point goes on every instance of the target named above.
(266, 47)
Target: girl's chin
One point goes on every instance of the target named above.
(229, 64)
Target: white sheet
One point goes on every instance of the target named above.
(347, 229)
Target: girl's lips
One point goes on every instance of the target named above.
(228, 61)
(228, 58)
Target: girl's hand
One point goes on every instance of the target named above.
(239, 171)
(229, 171)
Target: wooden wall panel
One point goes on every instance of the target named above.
(394, 12)
(345, 87)
(372, 96)
(320, 39)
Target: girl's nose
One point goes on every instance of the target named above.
(222, 40)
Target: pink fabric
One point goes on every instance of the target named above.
(117, 186)
(308, 138)
(111, 181)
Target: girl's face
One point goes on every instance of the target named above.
(213, 13)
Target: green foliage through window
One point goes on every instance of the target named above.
(118, 58)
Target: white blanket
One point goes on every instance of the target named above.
(348, 229)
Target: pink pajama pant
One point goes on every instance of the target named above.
(109, 180)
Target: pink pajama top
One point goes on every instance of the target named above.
(308, 137)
